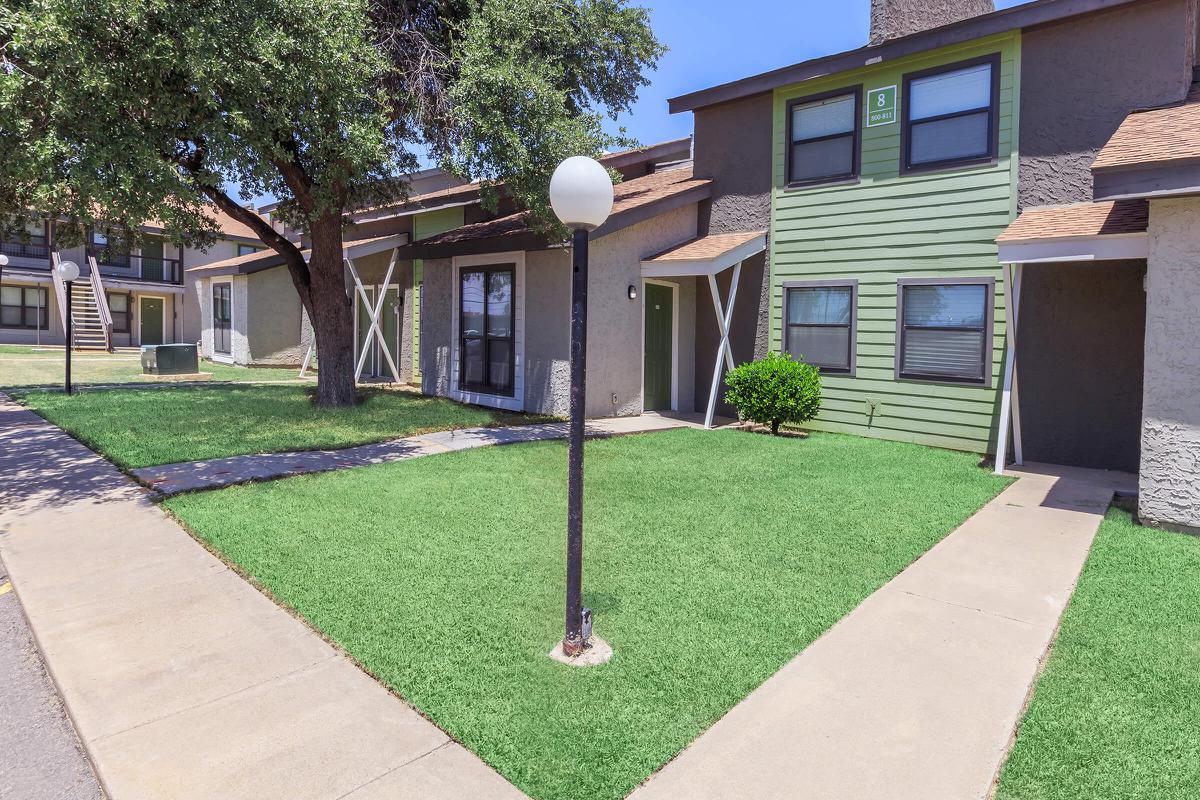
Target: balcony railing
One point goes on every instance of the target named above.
(146, 268)
(17, 249)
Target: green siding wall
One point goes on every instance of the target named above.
(887, 227)
(426, 225)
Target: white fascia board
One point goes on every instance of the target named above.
(704, 266)
(1112, 247)
(376, 246)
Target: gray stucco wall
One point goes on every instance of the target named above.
(891, 19)
(1169, 480)
(733, 146)
(435, 327)
(1079, 363)
(1081, 77)
(615, 351)
(548, 331)
(273, 324)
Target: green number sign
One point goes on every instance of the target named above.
(881, 106)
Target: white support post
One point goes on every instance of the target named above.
(375, 330)
(307, 359)
(724, 353)
(1011, 300)
(1018, 444)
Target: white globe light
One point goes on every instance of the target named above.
(581, 193)
(3, 260)
(68, 270)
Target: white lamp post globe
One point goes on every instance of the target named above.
(3, 260)
(68, 270)
(581, 193)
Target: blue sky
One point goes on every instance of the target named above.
(715, 42)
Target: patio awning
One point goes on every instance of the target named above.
(1080, 232)
(706, 256)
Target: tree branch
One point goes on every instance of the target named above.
(263, 230)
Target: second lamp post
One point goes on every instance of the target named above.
(581, 194)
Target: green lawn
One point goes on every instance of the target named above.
(1116, 713)
(24, 367)
(711, 559)
(167, 424)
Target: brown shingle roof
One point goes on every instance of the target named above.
(1161, 134)
(706, 247)
(1084, 219)
(627, 196)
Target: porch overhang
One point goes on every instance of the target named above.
(706, 255)
(1082, 233)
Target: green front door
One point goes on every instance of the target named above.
(658, 361)
(150, 323)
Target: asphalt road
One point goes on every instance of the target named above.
(40, 755)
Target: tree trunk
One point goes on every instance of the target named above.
(774, 427)
(332, 315)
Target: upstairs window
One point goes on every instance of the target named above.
(823, 132)
(951, 115)
(820, 324)
(247, 249)
(945, 330)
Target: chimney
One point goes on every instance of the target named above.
(891, 19)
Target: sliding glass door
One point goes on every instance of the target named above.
(486, 349)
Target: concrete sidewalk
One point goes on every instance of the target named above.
(169, 479)
(182, 680)
(916, 693)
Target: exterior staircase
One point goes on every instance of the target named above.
(86, 319)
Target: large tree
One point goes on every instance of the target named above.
(120, 111)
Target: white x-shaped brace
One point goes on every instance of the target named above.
(376, 310)
(724, 353)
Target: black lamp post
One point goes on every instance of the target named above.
(581, 194)
(68, 271)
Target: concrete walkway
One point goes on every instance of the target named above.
(916, 693)
(183, 681)
(188, 476)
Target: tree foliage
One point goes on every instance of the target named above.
(774, 390)
(120, 111)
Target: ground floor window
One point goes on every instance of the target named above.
(487, 356)
(24, 307)
(819, 324)
(222, 315)
(118, 306)
(944, 330)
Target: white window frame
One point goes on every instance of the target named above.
(458, 263)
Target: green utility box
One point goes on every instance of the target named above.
(170, 359)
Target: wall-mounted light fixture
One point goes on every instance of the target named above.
(632, 292)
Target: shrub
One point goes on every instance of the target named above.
(774, 390)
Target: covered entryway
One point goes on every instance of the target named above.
(1074, 363)
(390, 318)
(705, 257)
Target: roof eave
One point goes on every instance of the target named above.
(1009, 19)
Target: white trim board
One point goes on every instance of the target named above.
(1110, 247)
(517, 259)
(681, 268)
